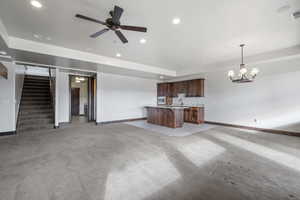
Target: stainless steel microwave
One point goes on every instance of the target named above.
(161, 100)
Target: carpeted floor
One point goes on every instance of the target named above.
(124, 162)
(186, 130)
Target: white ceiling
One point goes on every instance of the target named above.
(210, 32)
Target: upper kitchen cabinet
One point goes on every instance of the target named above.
(179, 87)
(164, 89)
(191, 88)
(195, 88)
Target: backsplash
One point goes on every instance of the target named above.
(188, 101)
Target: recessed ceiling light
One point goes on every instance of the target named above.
(36, 4)
(36, 36)
(118, 55)
(176, 20)
(143, 41)
(48, 38)
(3, 53)
(161, 77)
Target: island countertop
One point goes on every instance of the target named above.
(168, 107)
(175, 106)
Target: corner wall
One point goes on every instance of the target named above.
(123, 97)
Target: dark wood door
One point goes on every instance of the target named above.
(75, 101)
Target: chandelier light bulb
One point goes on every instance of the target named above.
(254, 71)
(231, 73)
(243, 71)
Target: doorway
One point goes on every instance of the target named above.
(75, 101)
(82, 99)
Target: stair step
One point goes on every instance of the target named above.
(34, 122)
(36, 116)
(31, 102)
(46, 90)
(36, 95)
(41, 85)
(35, 98)
(35, 101)
(25, 113)
(36, 80)
(26, 128)
(35, 86)
(32, 81)
(35, 107)
(37, 77)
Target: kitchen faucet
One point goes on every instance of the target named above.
(181, 101)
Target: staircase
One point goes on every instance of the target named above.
(36, 111)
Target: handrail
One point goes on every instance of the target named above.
(52, 93)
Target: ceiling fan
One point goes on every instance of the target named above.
(113, 24)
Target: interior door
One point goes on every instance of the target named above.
(75, 101)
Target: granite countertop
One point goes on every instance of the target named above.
(175, 107)
(168, 107)
(189, 106)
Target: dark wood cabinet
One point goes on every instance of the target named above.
(168, 117)
(195, 88)
(164, 89)
(179, 88)
(192, 88)
(175, 89)
(194, 115)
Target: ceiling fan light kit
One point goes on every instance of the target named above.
(244, 76)
(113, 24)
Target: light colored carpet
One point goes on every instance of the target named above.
(187, 129)
(124, 162)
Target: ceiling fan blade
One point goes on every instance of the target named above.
(121, 36)
(117, 14)
(89, 19)
(134, 28)
(99, 33)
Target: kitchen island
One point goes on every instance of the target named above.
(172, 117)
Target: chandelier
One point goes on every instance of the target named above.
(244, 76)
